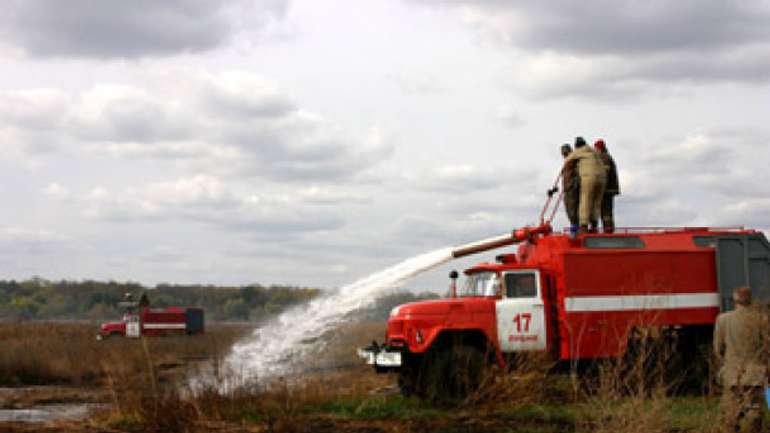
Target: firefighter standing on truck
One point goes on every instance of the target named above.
(740, 346)
(612, 188)
(570, 185)
(593, 178)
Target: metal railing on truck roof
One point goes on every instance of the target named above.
(642, 230)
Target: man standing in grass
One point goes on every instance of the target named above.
(740, 346)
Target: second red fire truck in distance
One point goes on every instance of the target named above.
(140, 320)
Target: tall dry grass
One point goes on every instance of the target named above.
(528, 380)
(150, 393)
(45, 353)
(635, 394)
(146, 381)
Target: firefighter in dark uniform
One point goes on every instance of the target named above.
(740, 347)
(611, 189)
(570, 185)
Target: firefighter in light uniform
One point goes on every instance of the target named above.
(593, 178)
(740, 346)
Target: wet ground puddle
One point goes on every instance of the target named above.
(48, 412)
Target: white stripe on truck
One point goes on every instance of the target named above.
(641, 302)
(165, 326)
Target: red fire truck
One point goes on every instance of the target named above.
(140, 320)
(574, 298)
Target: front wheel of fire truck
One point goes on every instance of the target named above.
(450, 374)
(408, 377)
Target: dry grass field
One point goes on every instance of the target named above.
(140, 388)
(56, 353)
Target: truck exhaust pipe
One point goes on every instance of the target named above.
(517, 236)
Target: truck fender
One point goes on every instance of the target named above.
(476, 338)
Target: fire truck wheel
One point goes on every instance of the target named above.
(408, 381)
(452, 374)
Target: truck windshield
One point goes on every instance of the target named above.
(480, 284)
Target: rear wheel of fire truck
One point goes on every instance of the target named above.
(674, 359)
(690, 366)
(451, 374)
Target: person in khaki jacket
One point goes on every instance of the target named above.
(593, 178)
(740, 346)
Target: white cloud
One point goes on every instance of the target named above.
(197, 190)
(243, 96)
(34, 108)
(508, 116)
(475, 224)
(56, 191)
(624, 26)
(551, 74)
(127, 114)
(745, 212)
(17, 241)
(21, 234)
(623, 48)
(84, 28)
(209, 200)
(232, 123)
(414, 84)
(707, 177)
(464, 178)
(329, 196)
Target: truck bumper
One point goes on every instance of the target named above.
(381, 358)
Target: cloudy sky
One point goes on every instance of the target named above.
(312, 142)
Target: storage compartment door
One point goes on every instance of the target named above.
(743, 260)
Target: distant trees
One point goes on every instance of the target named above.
(38, 298)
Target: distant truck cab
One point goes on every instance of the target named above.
(141, 320)
(573, 299)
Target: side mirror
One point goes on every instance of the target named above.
(453, 287)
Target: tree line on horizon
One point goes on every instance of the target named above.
(41, 299)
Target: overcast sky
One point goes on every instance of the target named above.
(312, 142)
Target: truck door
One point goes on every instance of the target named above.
(521, 312)
(133, 328)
